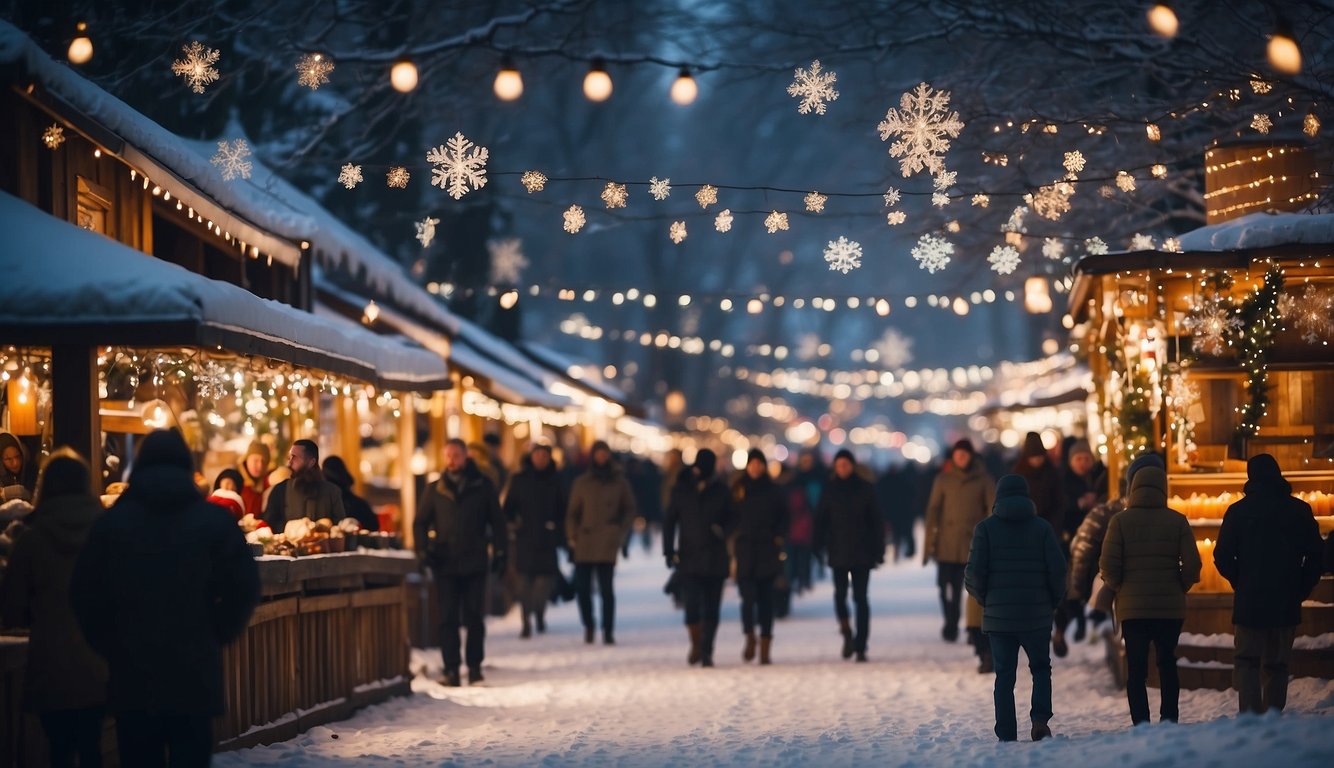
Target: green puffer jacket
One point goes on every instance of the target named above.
(1149, 558)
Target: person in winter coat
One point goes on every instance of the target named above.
(694, 542)
(254, 467)
(1084, 486)
(306, 494)
(1016, 570)
(850, 536)
(1045, 488)
(15, 480)
(961, 496)
(164, 581)
(65, 682)
(355, 507)
(602, 509)
(1269, 549)
(1150, 561)
(761, 525)
(458, 519)
(535, 507)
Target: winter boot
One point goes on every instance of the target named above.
(607, 638)
(451, 678)
(694, 657)
(707, 633)
(1059, 646)
(1040, 730)
(588, 635)
(749, 653)
(541, 622)
(475, 675)
(765, 644)
(527, 630)
(849, 646)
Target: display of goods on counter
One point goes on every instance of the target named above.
(314, 537)
(1200, 506)
(1210, 579)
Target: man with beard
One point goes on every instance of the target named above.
(602, 508)
(535, 507)
(306, 494)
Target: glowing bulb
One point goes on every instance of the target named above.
(81, 47)
(1163, 20)
(684, 89)
(597, 83)
(509, 83)
(508, 299)
(1284, 55)
(403, 76)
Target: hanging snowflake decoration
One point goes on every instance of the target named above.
(1212, 322)
(1261, 86)
(614, 195)
(981, 201)
(1311, 125)
(197, 66)
(350, 175)
(1053, 200)
(507, 260)
(1158, 171)
(895, 350)
(843, 254)
(1172, 245)
(706, 196)
(723, 223)
(53, 136)
(1095, 246)
(1262, 123)
(574, 219)
(533, 181)
(815, 88)
(1053, 248)
(677, 232)
(1004, 259)
(953, 226)
(1107, 191)
(1125, 182)
(895, 218)
(1074, 164)
(933, 252)
(925, 126)
(1016, 220)
(458, 166)
(426, 230)
(1140, 242)
(892, 196)
(944, 180)
(1312, 315)
(815, 202)
(659, 188)
(1153, 132)
(775, 221)
(940, 199)
(313, 69)
(231, 159)
(398, 177)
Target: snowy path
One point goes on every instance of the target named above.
(554, 701)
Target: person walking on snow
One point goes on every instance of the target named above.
(961, 496)
(761, 524)
(1084, 488)
(535, 507)
(602, 509)
(851, 536)
(694, 542)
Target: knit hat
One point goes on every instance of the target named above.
(844, 453)
(706, 462)
(1077, 447)
(755, 454)
(1033, 445)
(164, 447)
(964, 445)
(258, 447)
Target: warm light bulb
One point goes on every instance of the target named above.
(597, 83)
(1163, 20)
(684, 89)
(81, 47)
(403, 76)
(508, 299)
(509, 83)
(1284, 55)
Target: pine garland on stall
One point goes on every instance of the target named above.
(1261, 323)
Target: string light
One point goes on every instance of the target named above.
(81, 47)
(1284, 53)
(509, 83)
(684, 89)
(403, 76)
(1163, 20)
(597, 83)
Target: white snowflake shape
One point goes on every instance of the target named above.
(1004, 259)
(1262, 123)
(507, 260)
(1107, 191)
(1053, 200)
(533, 181)
(314, 70)
(614, 195)
(706, 196)
(231, 159)
(197, 66)
(1074, 163)
(940, 199)
(843, 254)
(944, 180)
(1212, 322)
(53, 136)
(458, 166)
(932, 252)
(677, 232)
(426, 230)
(895, 349)
(1095, 246)
(814, 87)
(815, 202)
(1312, 314)
(659, 188)
(1053, 248)
(398, 177)
(925, 126)
(953, 226)
(1261, 86)
(1158, 170)
(574, 219)
(1172, 245)
(723, 223)
(1016, 221)
(350, 175)
(1140, 242)
(1125, 182)
(981, 201)
(895, 218)
(775, 221)
(892, 196)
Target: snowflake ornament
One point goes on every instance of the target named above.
(313, 69)
(953, 226)
(426, 230)
(1004, 259)
(933, 252)
(1074, 164)
(53, 136)
(1262, 123)
(895, 349)
(1125, 182)
(677, 232)
(1053, 200)
(574, 219)
(843, 254)
(706, 196)
(458, 166)
(1261, 86)
(1140, 242)
(1016, 220)
(895, 218)
(925, 126)
(940, 199)
(815, 88)
(723, 223)
(892, 196)
(815, 202)
(1312, 314)
(1172, 245)
(1107, 191)
(533, 181)
(1095, 246)
(1311, 125)
(197, 66)
(1212, 323)
(507, 260)
(398, 177)
(981, 201)
(350, 175)
(614, 195)
(1053, 248)
(659, 188)
(944, 180)
(775, 221)
(231, 159)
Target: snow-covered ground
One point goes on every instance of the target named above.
(554, 701)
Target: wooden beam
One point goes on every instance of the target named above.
(75, 419)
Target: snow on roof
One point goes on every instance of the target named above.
(1262, 230)
(60, 276)
(559, 362)
(509, 385)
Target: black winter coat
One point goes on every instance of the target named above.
(761, 523)
(466, 520)
(359, 509)
(1086, 549)
(1269, 549)
(848, 528)
(700, 514)
(1016, 569)
(164, 581)
(1075, 486)
(1046, 490)
(535, 507)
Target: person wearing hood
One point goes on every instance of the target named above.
(602, 509)
(694, 542)
(164, 582)
(458, 520)
(254, 467)
(15, 482)
(1269, 550)
(355, 507)
(535, 507)
(306, 494)
(961, 496)
(1149, 560)
(850, 535)
(761, 525)
(1016, 570)
(65, 681)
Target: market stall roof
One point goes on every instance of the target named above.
(66, 285)
(561, 365)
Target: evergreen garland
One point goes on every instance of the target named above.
(1260, 324)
